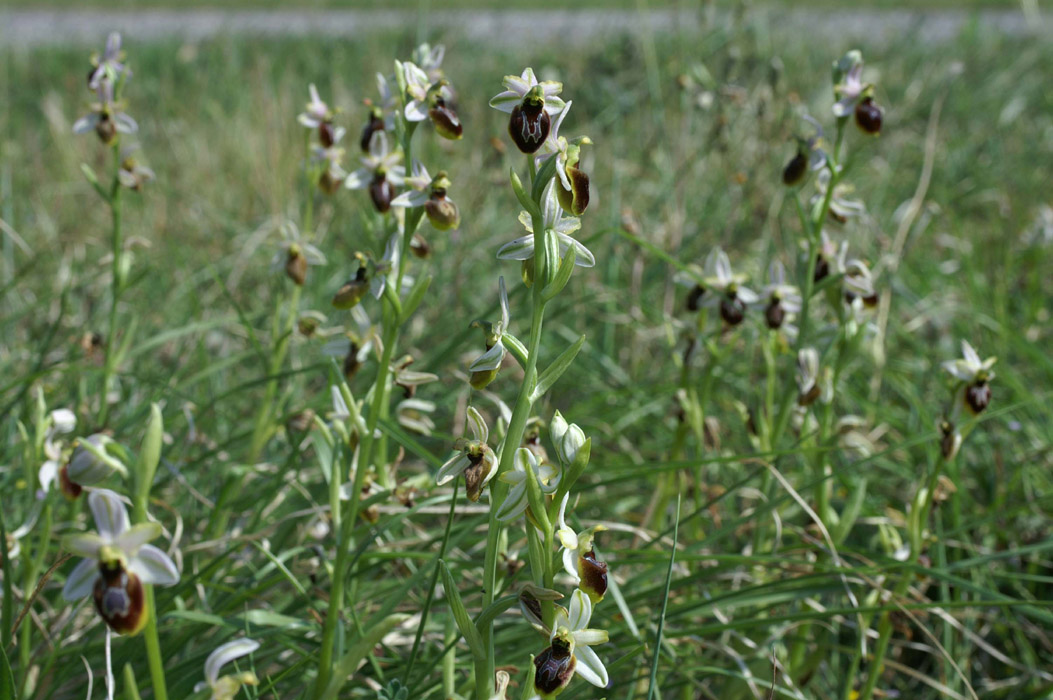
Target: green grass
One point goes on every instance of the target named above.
(218, 125)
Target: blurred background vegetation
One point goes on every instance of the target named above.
(691, 132)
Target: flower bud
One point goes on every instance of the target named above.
(869, 116)
(375, 124)
(90, 464)
(447, 123)
(381, 192)
(480, 379)
(529, 124)
(353, 290)
(296, 265)
(554, 667)
(118, 596)
(795, 170)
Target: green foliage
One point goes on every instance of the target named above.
(682, 164)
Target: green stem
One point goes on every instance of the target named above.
(150, 636)
(117, 246)
(484, 668)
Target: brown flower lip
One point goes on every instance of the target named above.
(529, 126)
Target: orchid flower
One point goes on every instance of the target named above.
(117, 562)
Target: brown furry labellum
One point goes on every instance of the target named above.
(774, 314)
(447, 123)
(822, 269)
(296, 266)
(69, 489)
(554, 667)
(442, 213)
(381, 192)
(869, 116)
(375, 124)
(326, 133)
(576, 199)
(978, 395)
(809, 397)
(353, 290)
(105, 129)
(593, 574)
(795, 170)
(529, 126)
(694, 297)
(732, 310)
(475, 474)
(351, 362)
(118, 597)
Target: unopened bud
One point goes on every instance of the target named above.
(353, 290)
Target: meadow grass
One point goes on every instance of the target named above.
(682, 165)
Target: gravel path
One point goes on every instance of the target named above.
(27, 28)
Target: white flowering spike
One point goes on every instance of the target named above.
(570, 651)
(515, 504)
(117, 561)
(226, 687)
(523, 248)
(474, 458)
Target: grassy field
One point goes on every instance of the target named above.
(691, 134)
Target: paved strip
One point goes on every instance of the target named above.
(29, 27)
